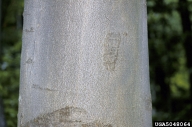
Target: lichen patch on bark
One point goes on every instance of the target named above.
(111, 47)
(65, 117)
(29, 61)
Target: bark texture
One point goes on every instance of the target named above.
(84, 64)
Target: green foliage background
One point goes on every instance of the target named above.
(170, 47)
(170, 67)
(10, 48)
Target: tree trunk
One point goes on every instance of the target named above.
(84, 64)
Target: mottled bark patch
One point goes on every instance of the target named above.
(111, 47)
(96, 124)
(65, 117)
(148, 103)
(29, 61)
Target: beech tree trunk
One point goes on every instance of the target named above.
(84, 64)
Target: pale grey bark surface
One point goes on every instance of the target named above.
(84, 64)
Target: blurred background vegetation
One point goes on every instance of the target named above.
(170, 50)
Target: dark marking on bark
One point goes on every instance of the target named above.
(111, 47)
(65, 117)
(29, 30)
(41, 88)
(29, 61)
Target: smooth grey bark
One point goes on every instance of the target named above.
(84, 64)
